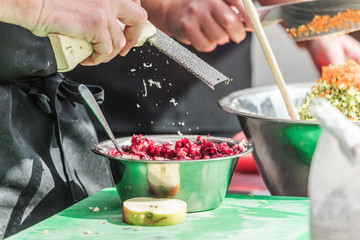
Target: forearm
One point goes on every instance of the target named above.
(20, 12)
(157, 12)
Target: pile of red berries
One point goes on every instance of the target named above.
(184, 149)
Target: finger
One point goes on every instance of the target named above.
(333, 49)
(118, 38)
(130, 12)
(178, 31)
(180, 37)
(230, 21)
(187, 31)
(326, 50)
(137, 2)
(335, 55)
(102, 45)
(197, 38)
(132, 35)
(239, 8)
(213, 31)
(134, 17)
(183, 40)
(351, 48)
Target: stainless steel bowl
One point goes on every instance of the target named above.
(202, 184)
(283, 148)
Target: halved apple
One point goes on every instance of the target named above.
(144, 211)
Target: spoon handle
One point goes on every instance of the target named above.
(91, 102)
(274, 67)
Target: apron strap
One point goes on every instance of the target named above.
(69, 90)
(56, 86)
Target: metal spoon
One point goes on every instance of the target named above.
(91, 102)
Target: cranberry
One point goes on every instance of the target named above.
(184, 149)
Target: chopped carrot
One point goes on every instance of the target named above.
(325, 23)
(347, 73)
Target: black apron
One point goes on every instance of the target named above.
(45, 135)
(148, 93)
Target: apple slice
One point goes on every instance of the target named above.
(144, 211)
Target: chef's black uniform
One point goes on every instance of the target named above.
(46, 163)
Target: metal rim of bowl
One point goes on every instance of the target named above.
(224, 104)
(103, 148)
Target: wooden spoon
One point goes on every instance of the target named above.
(259, 31)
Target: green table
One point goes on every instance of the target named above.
(239, 217)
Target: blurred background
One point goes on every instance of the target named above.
(295, 63)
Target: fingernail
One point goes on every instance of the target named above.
(222, 42)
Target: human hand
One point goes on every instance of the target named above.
(95, 21)
(333, 49)
(201, 23)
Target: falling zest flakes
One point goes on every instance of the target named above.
(152, 82)
(96, 209)
(87, 232)
(45, 232)
(325, 23)
(145, 89)
(147, 65)
(172, 100)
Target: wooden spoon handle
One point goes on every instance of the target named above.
(259, 31)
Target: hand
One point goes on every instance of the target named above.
(201, 23)
(333, 49)
(96, 22)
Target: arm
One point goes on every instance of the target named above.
(333, 49)
(20, 12)
(92, 20)
(203, 24)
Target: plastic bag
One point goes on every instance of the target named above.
(334, 179)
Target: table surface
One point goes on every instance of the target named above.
(240, 216)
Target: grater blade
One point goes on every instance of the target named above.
(187, 59)
(301, 15)
(298, 15)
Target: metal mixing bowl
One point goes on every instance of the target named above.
(283, 148)
(202, 184)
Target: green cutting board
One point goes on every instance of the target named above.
(238, 217)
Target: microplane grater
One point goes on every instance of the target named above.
(187, 59)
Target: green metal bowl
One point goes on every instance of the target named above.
(202, 184)
(283, 148)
